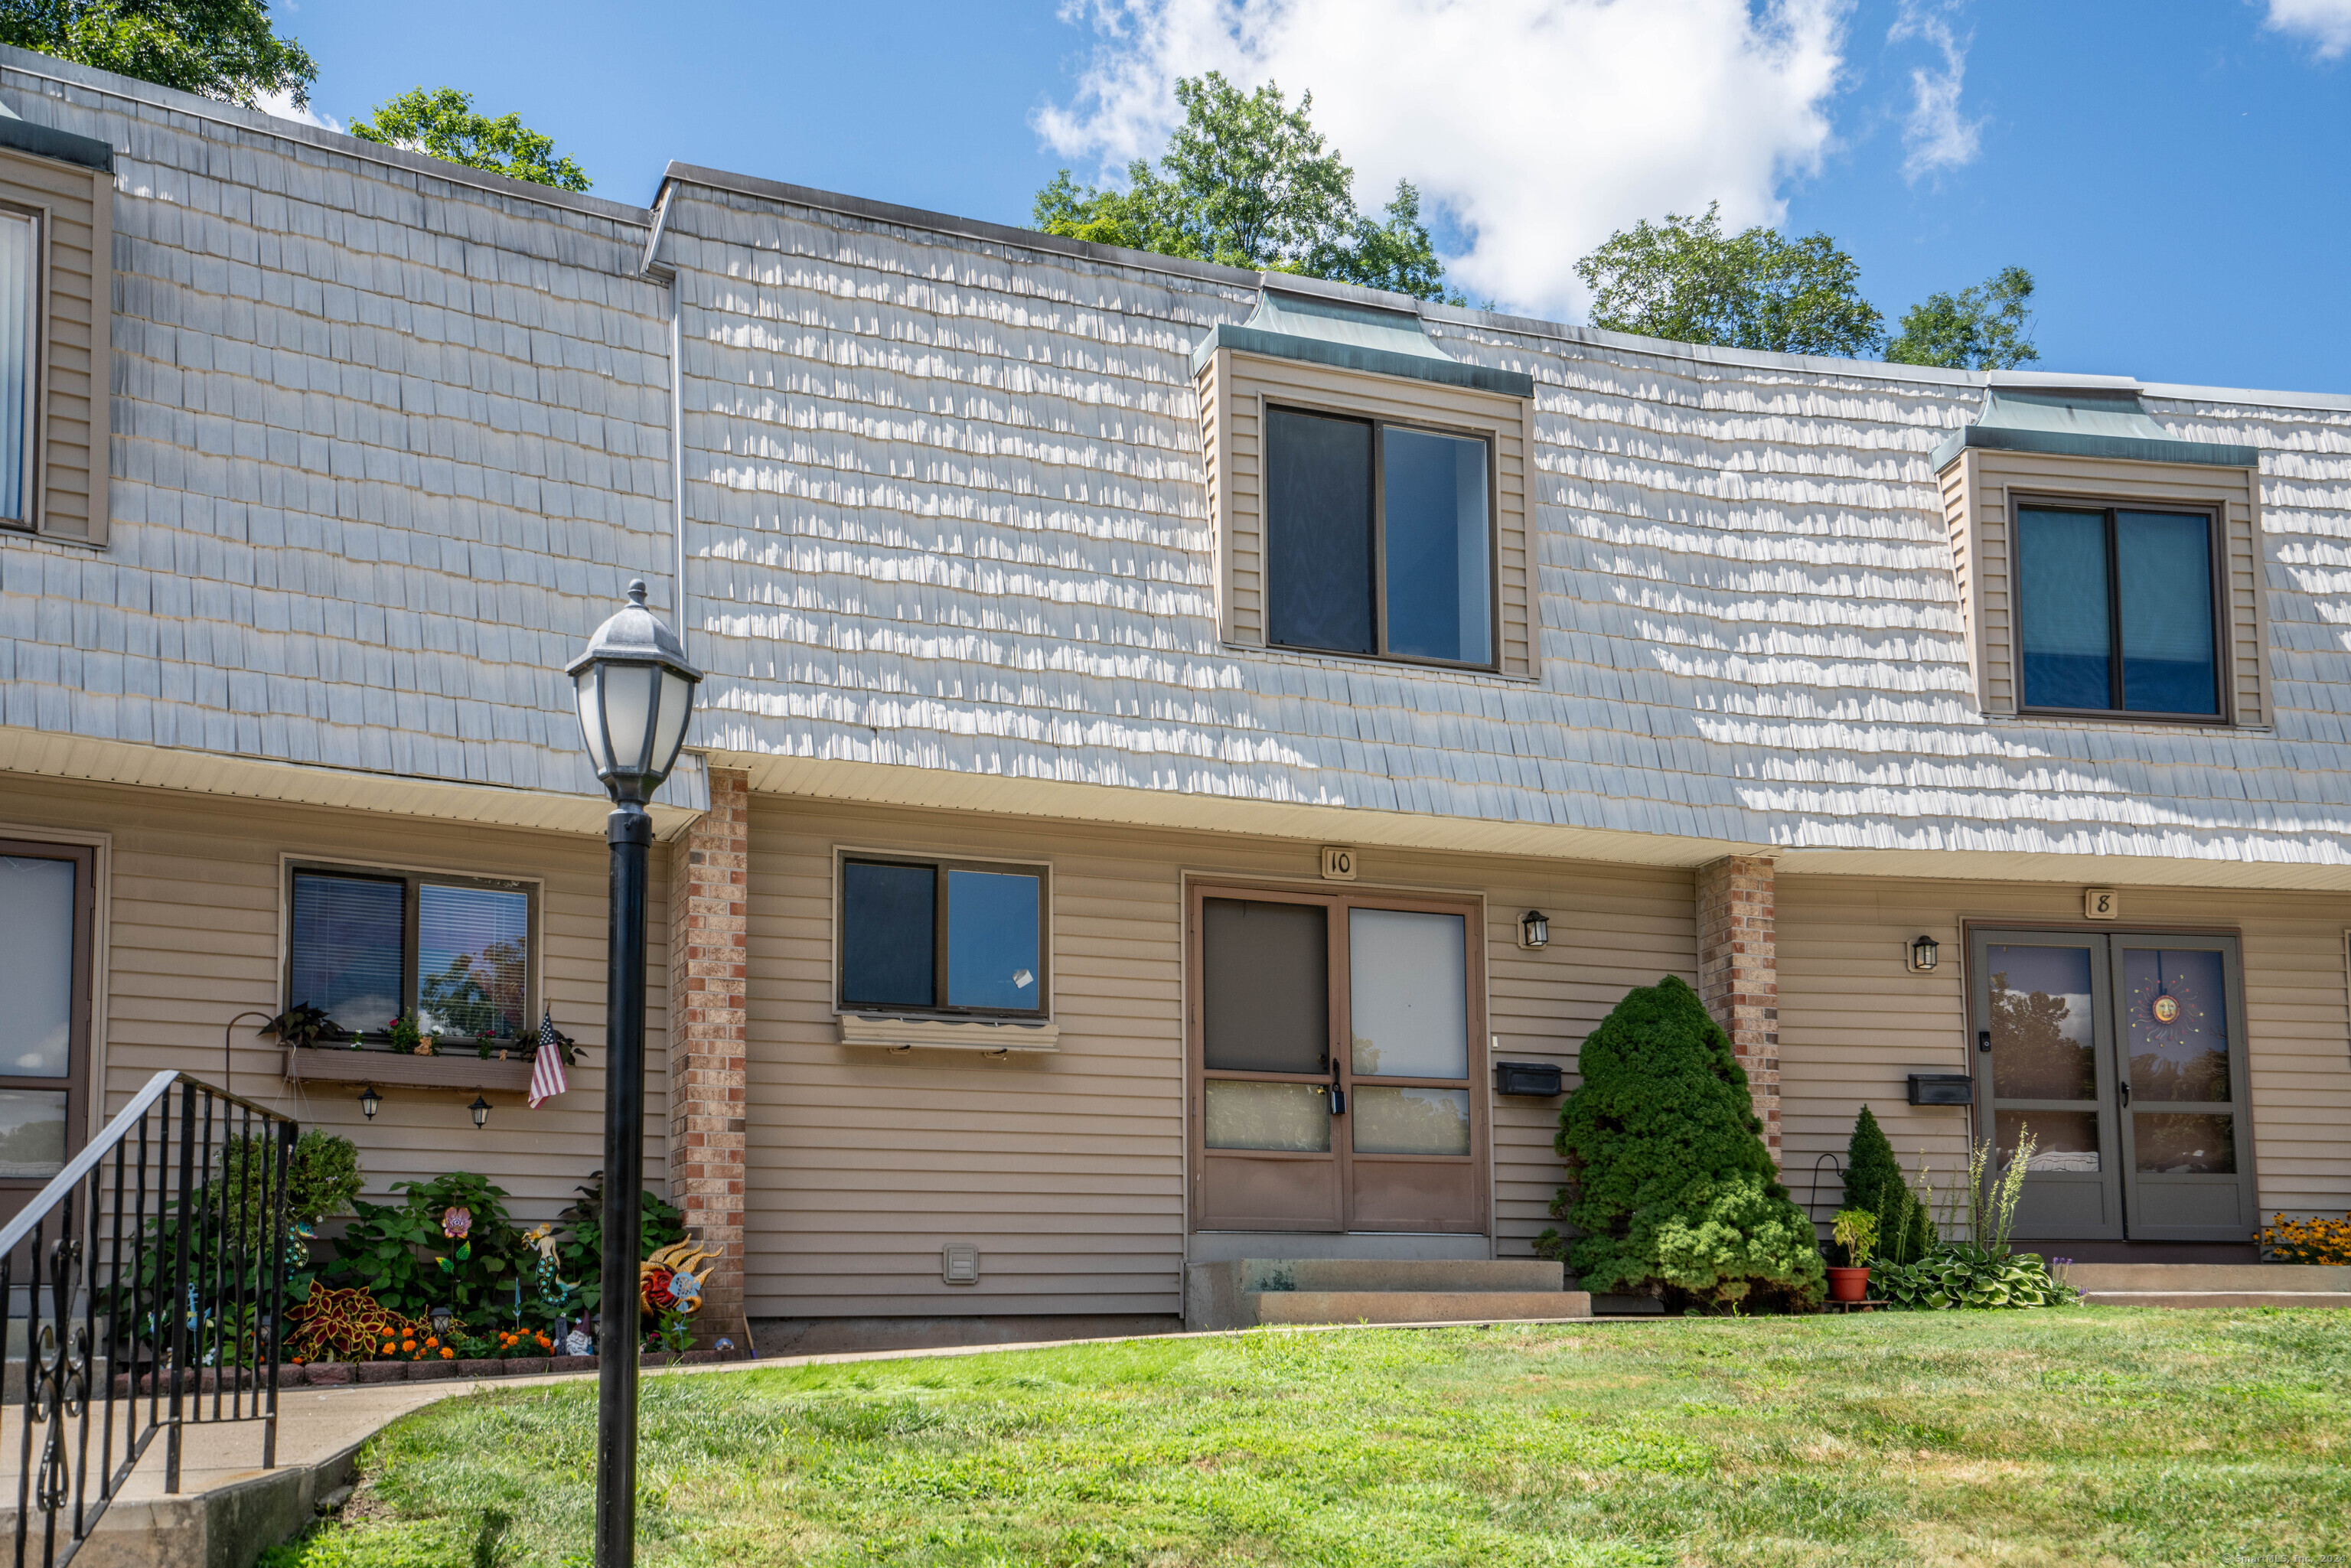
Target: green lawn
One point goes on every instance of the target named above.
(2081, 1435)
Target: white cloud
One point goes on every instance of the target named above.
(1934, 136)
(281, 104)
(2325, 22)
(1543, 125)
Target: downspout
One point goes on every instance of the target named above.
(648, 268)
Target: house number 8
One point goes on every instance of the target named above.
(2098, 904)
(1338, 864)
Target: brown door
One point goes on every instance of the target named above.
(1336, 1046)
(45, 900)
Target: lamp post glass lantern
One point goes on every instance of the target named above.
(635, 692)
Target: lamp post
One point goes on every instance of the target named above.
(635, 692)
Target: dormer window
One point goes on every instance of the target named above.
(2116, 610)
(2109, 570)
(1379, 539)
(1371, 491)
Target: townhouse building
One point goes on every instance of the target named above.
(1183, 749)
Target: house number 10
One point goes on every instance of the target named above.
(1338, 864)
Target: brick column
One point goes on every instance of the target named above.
(709, 964)
(1739, 974)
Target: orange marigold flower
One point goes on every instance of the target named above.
(389, 1347)
(447, 1354)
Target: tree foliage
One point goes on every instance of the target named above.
(1874, 1184)
(443, 123)
(1684, 278)
(1247, 181)
(1987, 328)
(1671, 1187)
(224, 49)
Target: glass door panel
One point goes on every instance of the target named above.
(1268, 1158)
(2189, 1162)
(2044, 1057)
(46, 901)
(1414, 1124)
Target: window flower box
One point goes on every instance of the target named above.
(462, 1069)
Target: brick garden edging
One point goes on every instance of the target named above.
(343, 1374)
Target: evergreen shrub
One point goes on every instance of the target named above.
(1873, 1181)
(1670, 1187)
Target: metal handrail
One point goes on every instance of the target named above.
(190, 1266)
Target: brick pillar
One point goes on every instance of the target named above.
(1739, 974)
(709, 963)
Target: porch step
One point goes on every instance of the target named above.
(2210, 1284)
(1247, 1291)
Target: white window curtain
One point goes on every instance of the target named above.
(19, 264)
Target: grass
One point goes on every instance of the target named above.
(2082, 1434)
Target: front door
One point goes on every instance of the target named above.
(46, 899)
(2123, 1055)
(1336, 1045)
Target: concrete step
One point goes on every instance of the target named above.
(2218, 1298)
(2260, 1278)
(1248, 1290)
(1414, 1306)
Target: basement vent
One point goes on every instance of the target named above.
(959, 1263)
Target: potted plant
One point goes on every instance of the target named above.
(1855, 1231)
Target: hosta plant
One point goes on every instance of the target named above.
(1963, 1274)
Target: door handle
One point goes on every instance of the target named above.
(2124, 1086)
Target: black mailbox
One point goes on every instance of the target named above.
(1942, 1089)
(1537, 1078)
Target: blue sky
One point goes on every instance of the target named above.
(2172, 172)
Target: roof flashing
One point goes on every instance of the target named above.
(1349, 333)
(2081, 416)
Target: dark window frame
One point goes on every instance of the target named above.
(2215, 523)
(75, 1084)
(940, 865)
(413, 883)
(1380, 425)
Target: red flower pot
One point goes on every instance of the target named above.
(1848, 1284)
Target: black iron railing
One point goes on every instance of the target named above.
(145, 1289)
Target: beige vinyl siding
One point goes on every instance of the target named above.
(1066, 1170)
(1234, 392)
(192, 896)
(77, 206)
(1853, 1021)
(1977, 490)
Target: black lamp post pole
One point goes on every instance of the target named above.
(630, 831)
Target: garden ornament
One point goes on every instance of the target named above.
(674, 1277)
(581, 1341)
(456, 1222)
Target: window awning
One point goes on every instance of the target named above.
(2081, 420)
(1326, 332)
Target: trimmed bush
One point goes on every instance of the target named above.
(1873, 1181)
(1670, 1186)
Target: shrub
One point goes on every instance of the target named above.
(1873, 1181)
(659, 1224)
(1963, 1274)
(401, 1254)
(2312, 1240)
(1671, 1187)
(1856, 1232)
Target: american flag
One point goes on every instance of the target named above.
(547, 1079)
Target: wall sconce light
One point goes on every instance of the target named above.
(369, 1101)
(1924, 952)
(480, 1110)
(1534, 930)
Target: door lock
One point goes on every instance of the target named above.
(1338, 1095)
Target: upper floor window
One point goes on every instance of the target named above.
(942, 937)
(20, 336)
(1380, 540)
(2117, 611)
(370, 947)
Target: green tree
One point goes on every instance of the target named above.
(1247, 181)
(1685, 279)
(1873, 1183)
(1669, 1183)
(224, 49)
(443, 123)
(1987, 328)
